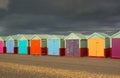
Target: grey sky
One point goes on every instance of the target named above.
(59, 16)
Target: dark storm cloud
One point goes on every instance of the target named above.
(60, 16)
(3, 8)
(2, 13)
(4, 4)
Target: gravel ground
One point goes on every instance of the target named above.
(93, 65)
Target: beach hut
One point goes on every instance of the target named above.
(115, 45)
(55, 44)
(11, 44)
(22, 44)
(38, 44)
(35, 45)
(76, 45)
(98, 45)
(1, 45)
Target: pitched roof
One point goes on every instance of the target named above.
(2, 37)
(9, 38)
(75, 36)
(116, 35)
(41, 36)
(56, 37)
(98, 34)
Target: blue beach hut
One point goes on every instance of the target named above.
(55, 44)
(10, 44)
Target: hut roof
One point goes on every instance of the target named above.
(40, 36)
(9, 38)
(116, 35)
(35, 36)
(1, 39)
(98, 35)
(75, 36)
(56, 37)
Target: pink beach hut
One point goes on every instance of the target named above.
(1, 45)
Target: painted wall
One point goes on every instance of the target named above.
(44, 43)
(62, 43)
(83, 43)
(107, 43)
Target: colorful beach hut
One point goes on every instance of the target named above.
(76, 45)
(115, 45)
(38, 44)
(1, 45)
(11, 44)
(55, 44)
(98, 45)
(35, 45)
(22, 44)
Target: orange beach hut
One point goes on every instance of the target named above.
(38, 44)
(35, 47)
(98, 45)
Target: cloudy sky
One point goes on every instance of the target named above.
(59, 16)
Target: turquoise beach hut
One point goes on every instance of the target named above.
(22, 44)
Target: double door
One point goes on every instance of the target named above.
(96, 47)
(72, 48)
(53, 47)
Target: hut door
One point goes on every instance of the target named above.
(1, 46)
(50, 47)
(10, 46)
(56, 47)
(22, 44)
(35, 47)
(76, 47)
(92, 47)
(53, 47)
(116, 47)
(69, 48)
(72, 48)
(99, 47)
